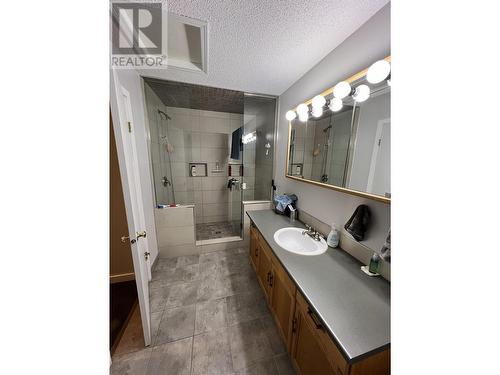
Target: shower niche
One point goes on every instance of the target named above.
(198, 170)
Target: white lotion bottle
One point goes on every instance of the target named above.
(333, 237)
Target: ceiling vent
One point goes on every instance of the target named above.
(187, 43)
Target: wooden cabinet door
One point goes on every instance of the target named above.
(308, 356)
(254, 248)
(264, 270)
(282, 302)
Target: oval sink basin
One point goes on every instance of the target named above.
(292, 239)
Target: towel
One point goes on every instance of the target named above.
(385, 252)
(356, 226)
(236, 143)
(281, 203)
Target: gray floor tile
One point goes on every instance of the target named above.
(183, 274)
(158, 299)
(209, 270)
(158, 283)
(172, 358)
(284, 365)
(134, 363)
(237, 264)
(183, 294)
(176, 323)
(210, 315)
(161, 274)
(265, 367)
(272, 334)
(187, 260)
(249, 344)
(166, 264)
(209, 291)
(213, 288)
(155, 324)
(246, 306)
(209, 257)
(211, 353)
(236, 284)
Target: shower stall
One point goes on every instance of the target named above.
(211, 149)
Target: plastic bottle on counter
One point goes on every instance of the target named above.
(333, 237)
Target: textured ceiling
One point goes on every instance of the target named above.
(265, 46)
(183, 95)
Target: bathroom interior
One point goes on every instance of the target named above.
(266, 208)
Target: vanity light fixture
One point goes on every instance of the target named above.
(318, 102)
(303, 111)
(290, 115)
(335, 104)
(361, 93)
(378, 71)
(342, 89)
(317, 111)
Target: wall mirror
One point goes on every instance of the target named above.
(340, 139)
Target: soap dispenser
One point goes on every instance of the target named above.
(333, 238)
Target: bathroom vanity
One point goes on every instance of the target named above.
(333, 318)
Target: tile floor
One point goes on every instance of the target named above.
(210, 231)
(209, 316)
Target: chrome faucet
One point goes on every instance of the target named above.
(311, 232)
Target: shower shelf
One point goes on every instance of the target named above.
(230, 170)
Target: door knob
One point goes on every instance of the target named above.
(141, 234)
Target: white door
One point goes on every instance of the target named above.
(379, 178)
(134, 208)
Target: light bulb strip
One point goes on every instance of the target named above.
(329, 92)
(355, 77)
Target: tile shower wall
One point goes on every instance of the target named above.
(203, 137)
(175, 231)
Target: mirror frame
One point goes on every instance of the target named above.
(358, 193)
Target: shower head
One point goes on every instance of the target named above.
(327, 128)
(167, 117)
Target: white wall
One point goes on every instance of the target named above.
(369, 43)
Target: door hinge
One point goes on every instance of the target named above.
(129, 127)
(146, 255)
(379, 141)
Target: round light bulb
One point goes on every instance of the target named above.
(302, 108)
(303, 117)
(317, 111)
(290, 115)
(342, 89)
(362, 93)
(378, 71)
(318, 101)
(336, 104)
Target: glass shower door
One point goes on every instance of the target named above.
(258, 146)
